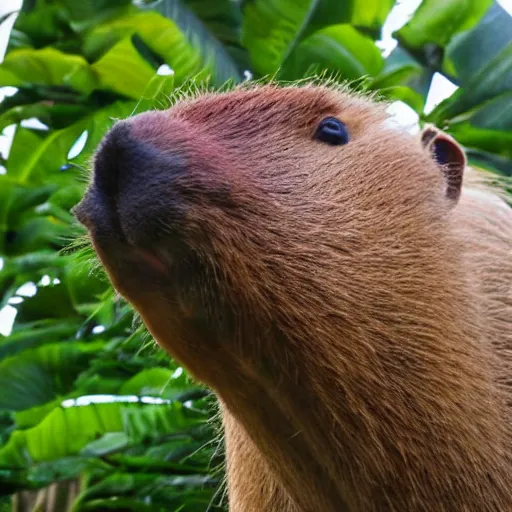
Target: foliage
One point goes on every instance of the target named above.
(77, 67)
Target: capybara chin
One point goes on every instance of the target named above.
(349, 302)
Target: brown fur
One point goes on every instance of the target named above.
(352, 314)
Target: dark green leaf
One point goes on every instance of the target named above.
(37, 376)
(490, 36)
(492, 80)
(489, 161)
(209, 27)
(272, 28)
(35, 334)
(340, 49)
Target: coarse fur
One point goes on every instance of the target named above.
(351, 312)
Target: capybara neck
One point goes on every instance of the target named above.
(328, 276)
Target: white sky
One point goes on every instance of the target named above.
(441, 89)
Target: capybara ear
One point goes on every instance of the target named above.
(449, 156)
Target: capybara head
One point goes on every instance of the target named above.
(266, 209)
(302, 256)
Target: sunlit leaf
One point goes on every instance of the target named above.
(123, 70)
(368, 15)
(48, 67)
(437, 21)
(80, 425)
(48, 152)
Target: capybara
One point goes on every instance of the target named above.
(329, 277)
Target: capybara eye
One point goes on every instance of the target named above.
(332, 131)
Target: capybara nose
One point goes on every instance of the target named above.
(116, 153)
(134, 185)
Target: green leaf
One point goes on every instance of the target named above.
(370, 13)
(130, 492)
(38, 233)
(494, 79)
(490, 161)
(27, 418)
(55, 22)
(79, 425)
(338, 48)
(272, 28)
(37, 376)
(8, 193)
(405, 94)
(156, 95)
(110, 442)
(84, 288)
(51, 301)
(47, 66)
(490, 37)
(437, 21)
(159, 420)
(46, 473)
(123, 70)
(403, 78)
(40, 24)
(30, 264)
(32, 335)
(494, 141)
(495, 114)
(48, 152)
(148, 382)
(54, 116)
(158, 382)
(82, 15)
(213, 28)
(159, 34)
(399, 69)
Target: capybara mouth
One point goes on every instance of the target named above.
(98, 214)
